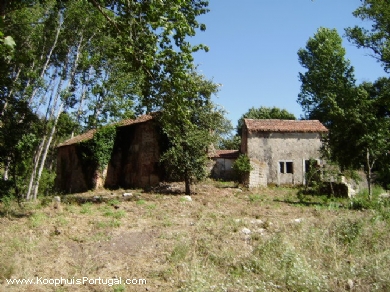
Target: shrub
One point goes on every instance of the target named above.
(242, 167)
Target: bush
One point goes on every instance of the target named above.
(242, 167)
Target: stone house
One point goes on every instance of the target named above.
(280, 150)
(221, 163)
(134, 160)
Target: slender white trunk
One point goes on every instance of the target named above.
(44, 68)
(35, 167)
(44, 155)
(44, 148)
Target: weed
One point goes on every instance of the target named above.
(86, 208)
(37, 219)
(110, 223)
(254, 198)
(119, 288)
(179, 252)
(113, 202)
(8, 204)
(141, 202)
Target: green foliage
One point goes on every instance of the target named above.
(230, 143)
(242, 166)
(118, 58)
(356, 116)
(329, 77)
(192, 123)
(377, 38)
(362, 201)
(101, 145)
(264, 113)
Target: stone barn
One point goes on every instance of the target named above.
(134, 159)
(221, 163)
(280, 150)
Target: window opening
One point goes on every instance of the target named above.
(286, 167)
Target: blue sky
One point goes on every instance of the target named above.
(254, 44)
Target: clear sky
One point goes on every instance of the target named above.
(254, 44)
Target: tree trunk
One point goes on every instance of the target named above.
(35, 167)
(187, 182)
(44, 68)
(370, 166)
(44, 155)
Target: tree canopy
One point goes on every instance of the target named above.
(124, 58)
(356, 115)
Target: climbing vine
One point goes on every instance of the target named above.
(101, 145)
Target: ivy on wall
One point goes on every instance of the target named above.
(101, 145)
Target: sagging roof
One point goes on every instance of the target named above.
(292, 126)
(227, 154)
(89, 134)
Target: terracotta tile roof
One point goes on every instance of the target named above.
(89, 134)
(228, 154)
(300, 126)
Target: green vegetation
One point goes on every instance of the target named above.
(242, 167)
(271, 239)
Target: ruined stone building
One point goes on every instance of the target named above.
(221, 163)
(134, 160)
(280, 150)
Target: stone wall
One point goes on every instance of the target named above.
(221, 168)
(72, 174)
(285, 154)
(134, 162)
(258, 175)
(135, 158)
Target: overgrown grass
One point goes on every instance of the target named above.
(290, 243)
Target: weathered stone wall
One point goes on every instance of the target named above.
(286, 148)
(134, 162)
(258, 175)
(71, 176)
(135, 158)
(221, 168)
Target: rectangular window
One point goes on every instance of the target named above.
(289, 167)
(281, 164)
(286, 167)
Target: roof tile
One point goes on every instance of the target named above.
(300, 126)
(89, 134)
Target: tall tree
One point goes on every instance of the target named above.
(377, 38)
(328, 79)
(357, 116)
(192, 124)
(124, 53)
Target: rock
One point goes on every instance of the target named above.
(384, 196)
(349, 284)
(187, 198)
(246, 231)
(57, 204)
(257, 222)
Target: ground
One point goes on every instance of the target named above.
(224, 239)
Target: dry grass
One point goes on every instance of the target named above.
(224, 240)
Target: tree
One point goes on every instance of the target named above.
(192, 123)
(329, 77)
(377, 38)
(118, 62)
(264, 113)
(356, 116)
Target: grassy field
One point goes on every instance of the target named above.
(225, 239)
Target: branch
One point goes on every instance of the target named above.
(105, 14)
